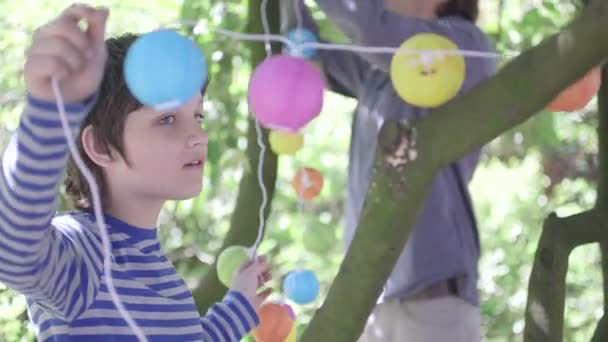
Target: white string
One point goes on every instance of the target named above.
(298, 11)
(200, 26)
(304, 184)
(283, 18)
(266, 27)
(392, 50)
(258, 129)
(267, 37)
(253, 249)
(105, 239)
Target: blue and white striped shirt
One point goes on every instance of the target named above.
(56, 260)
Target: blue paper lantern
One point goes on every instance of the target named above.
(301, 286)
(164, 69)
(300, 36)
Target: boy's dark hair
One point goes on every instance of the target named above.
(107, 118)
(467, 9)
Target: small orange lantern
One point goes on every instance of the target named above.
(275, 323)
(308, 183)
(578, 94)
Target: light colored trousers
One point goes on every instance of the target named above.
(440, 319)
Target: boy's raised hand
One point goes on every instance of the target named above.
(62, 49)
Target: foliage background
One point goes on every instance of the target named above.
(547, 164)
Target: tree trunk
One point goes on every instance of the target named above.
(601, 332)
(399, 185)
(245, 219)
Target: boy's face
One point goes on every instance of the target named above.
(166, 153)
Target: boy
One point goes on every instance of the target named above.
(140, 158)
(431, 294)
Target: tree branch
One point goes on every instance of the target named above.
(580, 229)
(398, 189)
(601, 331)
(602, 132)
(547, 283)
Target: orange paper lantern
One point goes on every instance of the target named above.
(578, 94)
(275, 323)
(308, 183)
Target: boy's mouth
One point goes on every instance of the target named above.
(194, 163)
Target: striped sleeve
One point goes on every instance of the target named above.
(229, 320)
(51, 265)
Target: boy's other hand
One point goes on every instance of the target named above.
(250, 278)
(75, 56)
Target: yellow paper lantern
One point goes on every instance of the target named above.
(285, 142)
(428, 78)
(292, 337)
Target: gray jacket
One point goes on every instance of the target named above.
(444, 242)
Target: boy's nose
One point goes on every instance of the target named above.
(198, 138)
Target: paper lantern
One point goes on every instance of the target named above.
(229, 261)
(298, 37)
(164, 69)
(301, 286)
(307, 183)
(293, 335)
(275, 323)
(424, 77)
(577, 95)
(290, 311)
(285, 93)
(287, 143)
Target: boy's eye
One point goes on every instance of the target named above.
(199, 117)
(167, 119)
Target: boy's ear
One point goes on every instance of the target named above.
(93, 150)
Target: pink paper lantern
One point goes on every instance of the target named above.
(292, 313)
(286, 92)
